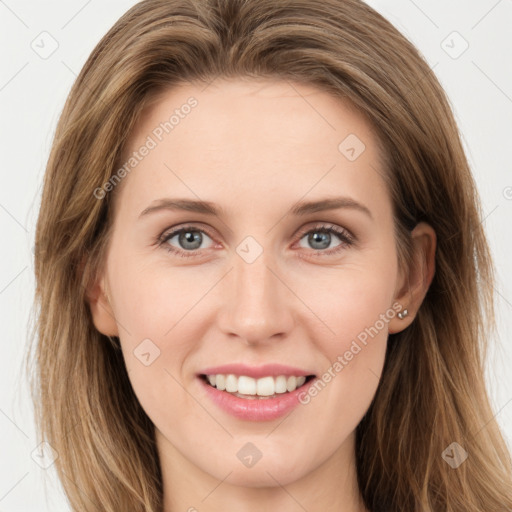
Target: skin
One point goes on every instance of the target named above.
(256, 148)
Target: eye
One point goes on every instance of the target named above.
(320, 237)
(188, 241)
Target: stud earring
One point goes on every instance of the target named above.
(403, 314)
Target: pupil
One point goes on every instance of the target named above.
(189, 237)
(317, 237)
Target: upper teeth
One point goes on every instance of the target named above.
(266, 386)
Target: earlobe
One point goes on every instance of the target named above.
(417, 277)
(101, 308)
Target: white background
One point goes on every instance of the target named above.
(32, 94)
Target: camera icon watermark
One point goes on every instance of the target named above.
(146, 352)
(45, 45)
(44, 455)
(249, 249)
(454, 455)
(454, 45)
(249, 455)
(351, 147)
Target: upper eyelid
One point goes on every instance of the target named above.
(322, 225)
(171, 232)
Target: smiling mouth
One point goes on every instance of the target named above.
(250, 388)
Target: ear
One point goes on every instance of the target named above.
(101, 308)
(415, 280)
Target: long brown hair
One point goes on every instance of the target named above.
(432, 391)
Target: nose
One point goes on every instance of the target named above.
(257, 303)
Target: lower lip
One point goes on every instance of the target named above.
(258, 409)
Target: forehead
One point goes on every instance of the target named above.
(248, 139)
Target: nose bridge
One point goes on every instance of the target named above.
(257, 305)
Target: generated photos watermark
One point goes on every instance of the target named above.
(344, 359)
(151, 142)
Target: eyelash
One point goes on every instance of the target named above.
(347, 239)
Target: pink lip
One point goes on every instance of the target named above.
(258, 409)
(256, 372)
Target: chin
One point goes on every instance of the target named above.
(261, 475)
(270, 468)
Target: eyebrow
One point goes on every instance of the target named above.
(300, 209)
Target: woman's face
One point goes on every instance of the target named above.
(261, 286)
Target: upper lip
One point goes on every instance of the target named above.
(273, 369)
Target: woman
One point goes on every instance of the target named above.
(261, 272)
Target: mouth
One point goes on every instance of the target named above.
(250, 388)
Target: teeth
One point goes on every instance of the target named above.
(281, 384)
(231, 384)
(291, 383)
(246, 385)
(266, 386)
(220, 381)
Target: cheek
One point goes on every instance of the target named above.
(153, 309)
(355, 307)
(354, 303)
(153, 302)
